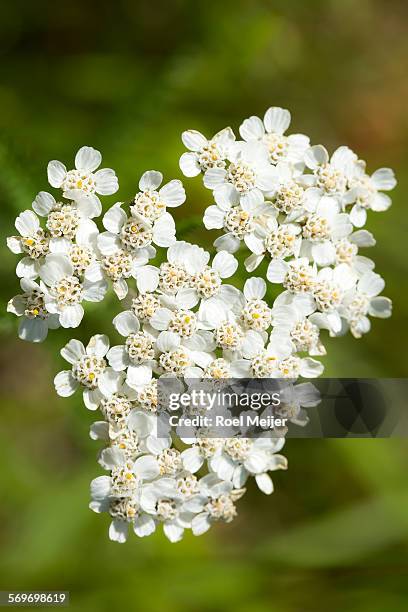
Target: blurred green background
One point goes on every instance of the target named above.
(128, 77)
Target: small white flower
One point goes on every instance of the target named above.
(247, 221)
(83, 181)
(256, 313)
(324, 225)
(271, 131)
(215, 502)
(366, 192)
(138, 348)
(240, 457)
(33, 241)
(205, 154)
(36, 320)
(151, 201)
(45, 205)
(66, 291)
(249, 175)
(330, 175)
(87, 366)
(365, 300)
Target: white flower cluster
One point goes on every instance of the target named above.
(275, 194)
(184, 322)
(292, 203)
(68, 261)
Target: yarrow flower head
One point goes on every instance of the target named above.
(277, 198)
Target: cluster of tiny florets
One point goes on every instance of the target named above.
(275, 195)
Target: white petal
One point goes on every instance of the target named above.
(147, 279)
(189, 165)
(118, 358)
(121, 288)
(150, 180)
(164, 230)
(187, 298)
(146, 467)
(98, 345)
(88, 159)
(213, 218)
(114, 219)
(252, 344)
(358, 215)
(43, 203)
(65, 384)
(381, 202)
(193, 140)
(200, 524)
(71, 316)
(276, 271)
(111, 457)
(87, 233)
(225, 196)
(362, 238)
(27, 223)
(88, 205)
(223, 466)
(99, 431)
(252, 262)
(192, 459)
(251, 199)
(257, 462)
(264, 482)
(310, 368)
(241, 368)
(60, 245)
(144, 525)
(380, 307)
(277, 120)
(94, 292)
(27, 268)
(167, 341)
(92, 398)
(56, 266)
(161, 319)
(324, 253)
(267, 179)
(108, 243)
(94, 273)
(316, 156)
(225, 264)
(254, 288)
(143, 425)
(73, 351)
(254, 244)
(56, 173)
(118, 531)
(173, 193)
(384, 179)
(371, 284)
(252, 129)
(126, 323)
(33, 330)
(106, 182)
(17, 304)
(137, 376)
(110, 382)
(228, 243)
(100, 487)
(173, 532)
(214, 177)
(14, 244)
(157, 445)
